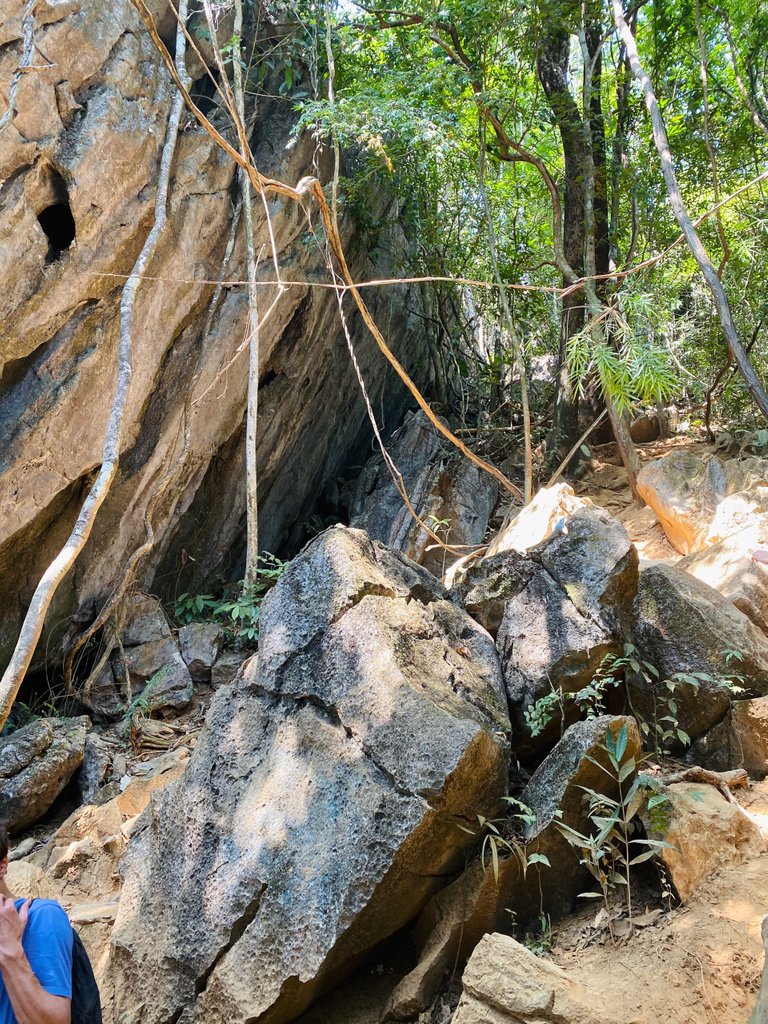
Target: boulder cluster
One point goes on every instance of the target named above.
(338, 790)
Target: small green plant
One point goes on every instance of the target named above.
(503, 836)
(239, 615)
(611, 850)
(663, 729)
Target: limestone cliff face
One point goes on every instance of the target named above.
(78, 168)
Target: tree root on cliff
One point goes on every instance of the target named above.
(34, 619)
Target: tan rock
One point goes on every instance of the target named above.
(504, 983)
(727, 566)
(684, 489)
(28, 880)
(705, 832)
(537, 520)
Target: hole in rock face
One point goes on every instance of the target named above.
(204, 94)
(59, 226)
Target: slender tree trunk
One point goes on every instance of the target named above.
(695, 244)
(252, 414)
(517, 345)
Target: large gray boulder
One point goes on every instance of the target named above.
(322, 805)
(682, 625)
(36, 763)
(565, 607)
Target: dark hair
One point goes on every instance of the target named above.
(3, 841)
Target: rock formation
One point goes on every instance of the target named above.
(78, 168)
(324, 804)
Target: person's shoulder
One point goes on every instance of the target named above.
(49, 913)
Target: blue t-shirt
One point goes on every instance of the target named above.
(47, 942)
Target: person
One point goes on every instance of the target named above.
(35, 956)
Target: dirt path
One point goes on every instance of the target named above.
(699, 964)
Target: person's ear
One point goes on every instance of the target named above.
(4, 866)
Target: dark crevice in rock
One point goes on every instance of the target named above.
(58, 224)
(174, 1016)
(235, 934)
(204, 92)
(54, 213)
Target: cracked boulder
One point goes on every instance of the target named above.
(323, 803)
(36, 763)
(570, 613)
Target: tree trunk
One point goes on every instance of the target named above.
(695, 244)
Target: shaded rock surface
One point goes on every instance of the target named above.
(739, 741)
(555, 795)
(88, 135)
(200, 643)
(38, 761)
(450, 493)
(323, 799)
(481, 900)
(574, 600)
(682, 625)
(505, 983)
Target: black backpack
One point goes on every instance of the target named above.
(86, 1003)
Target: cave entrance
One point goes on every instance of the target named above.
(59, 226)
(54, 213)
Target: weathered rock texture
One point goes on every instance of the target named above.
(451, 494)
(705, 832)
(482, 900)
(321, 808)
(505, 983)
(682, 625)
(573, 600)
(701, 498)
(36, 763)
(86, 144)
(739, 741)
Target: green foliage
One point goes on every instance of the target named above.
(239, 615)
(663, 729)
(503, 837)
(611, 849)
